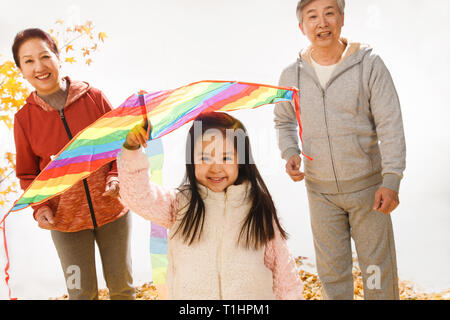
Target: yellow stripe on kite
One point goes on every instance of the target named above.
(54, 185)
(258, 95)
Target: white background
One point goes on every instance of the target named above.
(163, 44)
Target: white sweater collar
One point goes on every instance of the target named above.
(234, 192)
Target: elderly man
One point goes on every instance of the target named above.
(354, 149)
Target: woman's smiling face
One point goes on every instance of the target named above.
(40, 66)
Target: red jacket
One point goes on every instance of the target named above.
(39, 133)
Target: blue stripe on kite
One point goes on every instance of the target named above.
(18, 207)
(158, 246)
(91, 150)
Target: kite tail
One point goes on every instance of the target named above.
(297, 113)
(5, 245)
(158, 234)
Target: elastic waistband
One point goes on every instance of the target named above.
(344, 186)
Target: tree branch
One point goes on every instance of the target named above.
(7, 176)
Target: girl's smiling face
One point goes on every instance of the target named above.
(215, 161)
(39, 66)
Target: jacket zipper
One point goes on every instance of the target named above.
(325, 113)
(329, 142)
(326, 121)
(219, 251)
(86, 188)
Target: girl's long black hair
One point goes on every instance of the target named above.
(258, 226)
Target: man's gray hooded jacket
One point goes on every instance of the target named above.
(352, 129)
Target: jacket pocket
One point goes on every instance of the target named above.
(350, 160)
(321, 166)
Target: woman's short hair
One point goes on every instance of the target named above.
(32, 33)
(303, 3)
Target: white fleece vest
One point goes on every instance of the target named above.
(215, 267)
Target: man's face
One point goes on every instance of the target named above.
(322, 23)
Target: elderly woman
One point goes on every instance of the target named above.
(90, 211)
(353, 137)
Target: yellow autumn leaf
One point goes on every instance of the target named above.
(70, 60)
(86, 52)
(69, 47)
(102, 36)
(88, 62)
(86, 29)
(59, 21)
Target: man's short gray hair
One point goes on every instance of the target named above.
(303, 3)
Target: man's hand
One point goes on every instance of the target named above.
(293, 168)
(112, 189)
(386, 200)
(44, 217)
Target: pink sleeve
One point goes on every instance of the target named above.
(287, 284)
(138, 193)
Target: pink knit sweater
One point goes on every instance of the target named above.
(160, 205)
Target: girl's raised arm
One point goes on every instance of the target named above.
(145, 198)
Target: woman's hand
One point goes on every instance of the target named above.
(112, 189)
(44, 217)
(136, 137)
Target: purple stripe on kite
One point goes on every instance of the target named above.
(158, 231)
(229, 92)
(85, 158)
(150, 96)
(133, 101)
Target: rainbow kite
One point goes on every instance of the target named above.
(165, 111)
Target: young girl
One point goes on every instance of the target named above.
(225, 239)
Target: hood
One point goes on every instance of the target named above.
(76, 90)
(353, 49)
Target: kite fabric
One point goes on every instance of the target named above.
(158, 234)
(164, 111)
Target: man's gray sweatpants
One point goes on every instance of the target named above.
(76, 251)
(334, 219)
